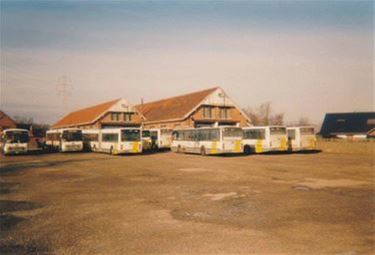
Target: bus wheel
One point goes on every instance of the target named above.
(203, 151)
(247, 150)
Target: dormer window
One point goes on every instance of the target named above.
(207, 112)
(127, 117)
(115, 116)
(224, 113)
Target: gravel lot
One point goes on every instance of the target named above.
(87, 203)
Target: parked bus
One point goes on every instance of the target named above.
(120, 140)
(90, 138)
(157, 138)
(14, 141)
(301, 138)
(264, 139)
(64, 140)
(207, 140)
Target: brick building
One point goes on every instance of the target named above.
(116, 113)
(6, 122)
(203, 108)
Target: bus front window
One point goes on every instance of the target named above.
(16, 137)
(232, 132)
(71, 136)
(130, 135)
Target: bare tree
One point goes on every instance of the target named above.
(303, 121)
(263, 115)
(23, 120)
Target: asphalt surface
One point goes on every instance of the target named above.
(166, 203)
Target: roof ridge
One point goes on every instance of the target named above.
(174, 97)
(89, 107)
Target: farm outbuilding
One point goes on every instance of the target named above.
(348, 125)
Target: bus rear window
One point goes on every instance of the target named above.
(307, 131)
(145, 133)
(16, 136)
(278, 131)
(72, 135)
(130, 135)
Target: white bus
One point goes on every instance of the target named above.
(264, 139)
(301, 138)
(90, 138)
(120, 140)
(14, 141)
(207, 140)
(157, 138)
(64, 140)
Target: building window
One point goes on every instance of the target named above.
(207, 112)
(127, 117)
(115, 116)
(224, 113)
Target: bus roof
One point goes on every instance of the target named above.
(264, 127)
(202, 128)
(300, 127)
(15, 129)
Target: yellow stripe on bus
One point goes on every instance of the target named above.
(283, 144)
(214, 148)
(312, 144)
(237, 146)
(135, 146)
(259, 146)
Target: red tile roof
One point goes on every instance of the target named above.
(174, 107)
(84, 116)
(6, 121)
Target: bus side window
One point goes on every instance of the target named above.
(175, 135)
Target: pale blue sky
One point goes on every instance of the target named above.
(306, 57)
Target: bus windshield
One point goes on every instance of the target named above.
(72, 135)
(232, 132)
(17, 137)
(278, 131)
(307, 131)
(130, 135)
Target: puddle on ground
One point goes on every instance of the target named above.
(8, 187)
(7, 221)
(220, 196)
(195, 170)
(12, 206)
(313, 183)
(301, 188)
(12, 248)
